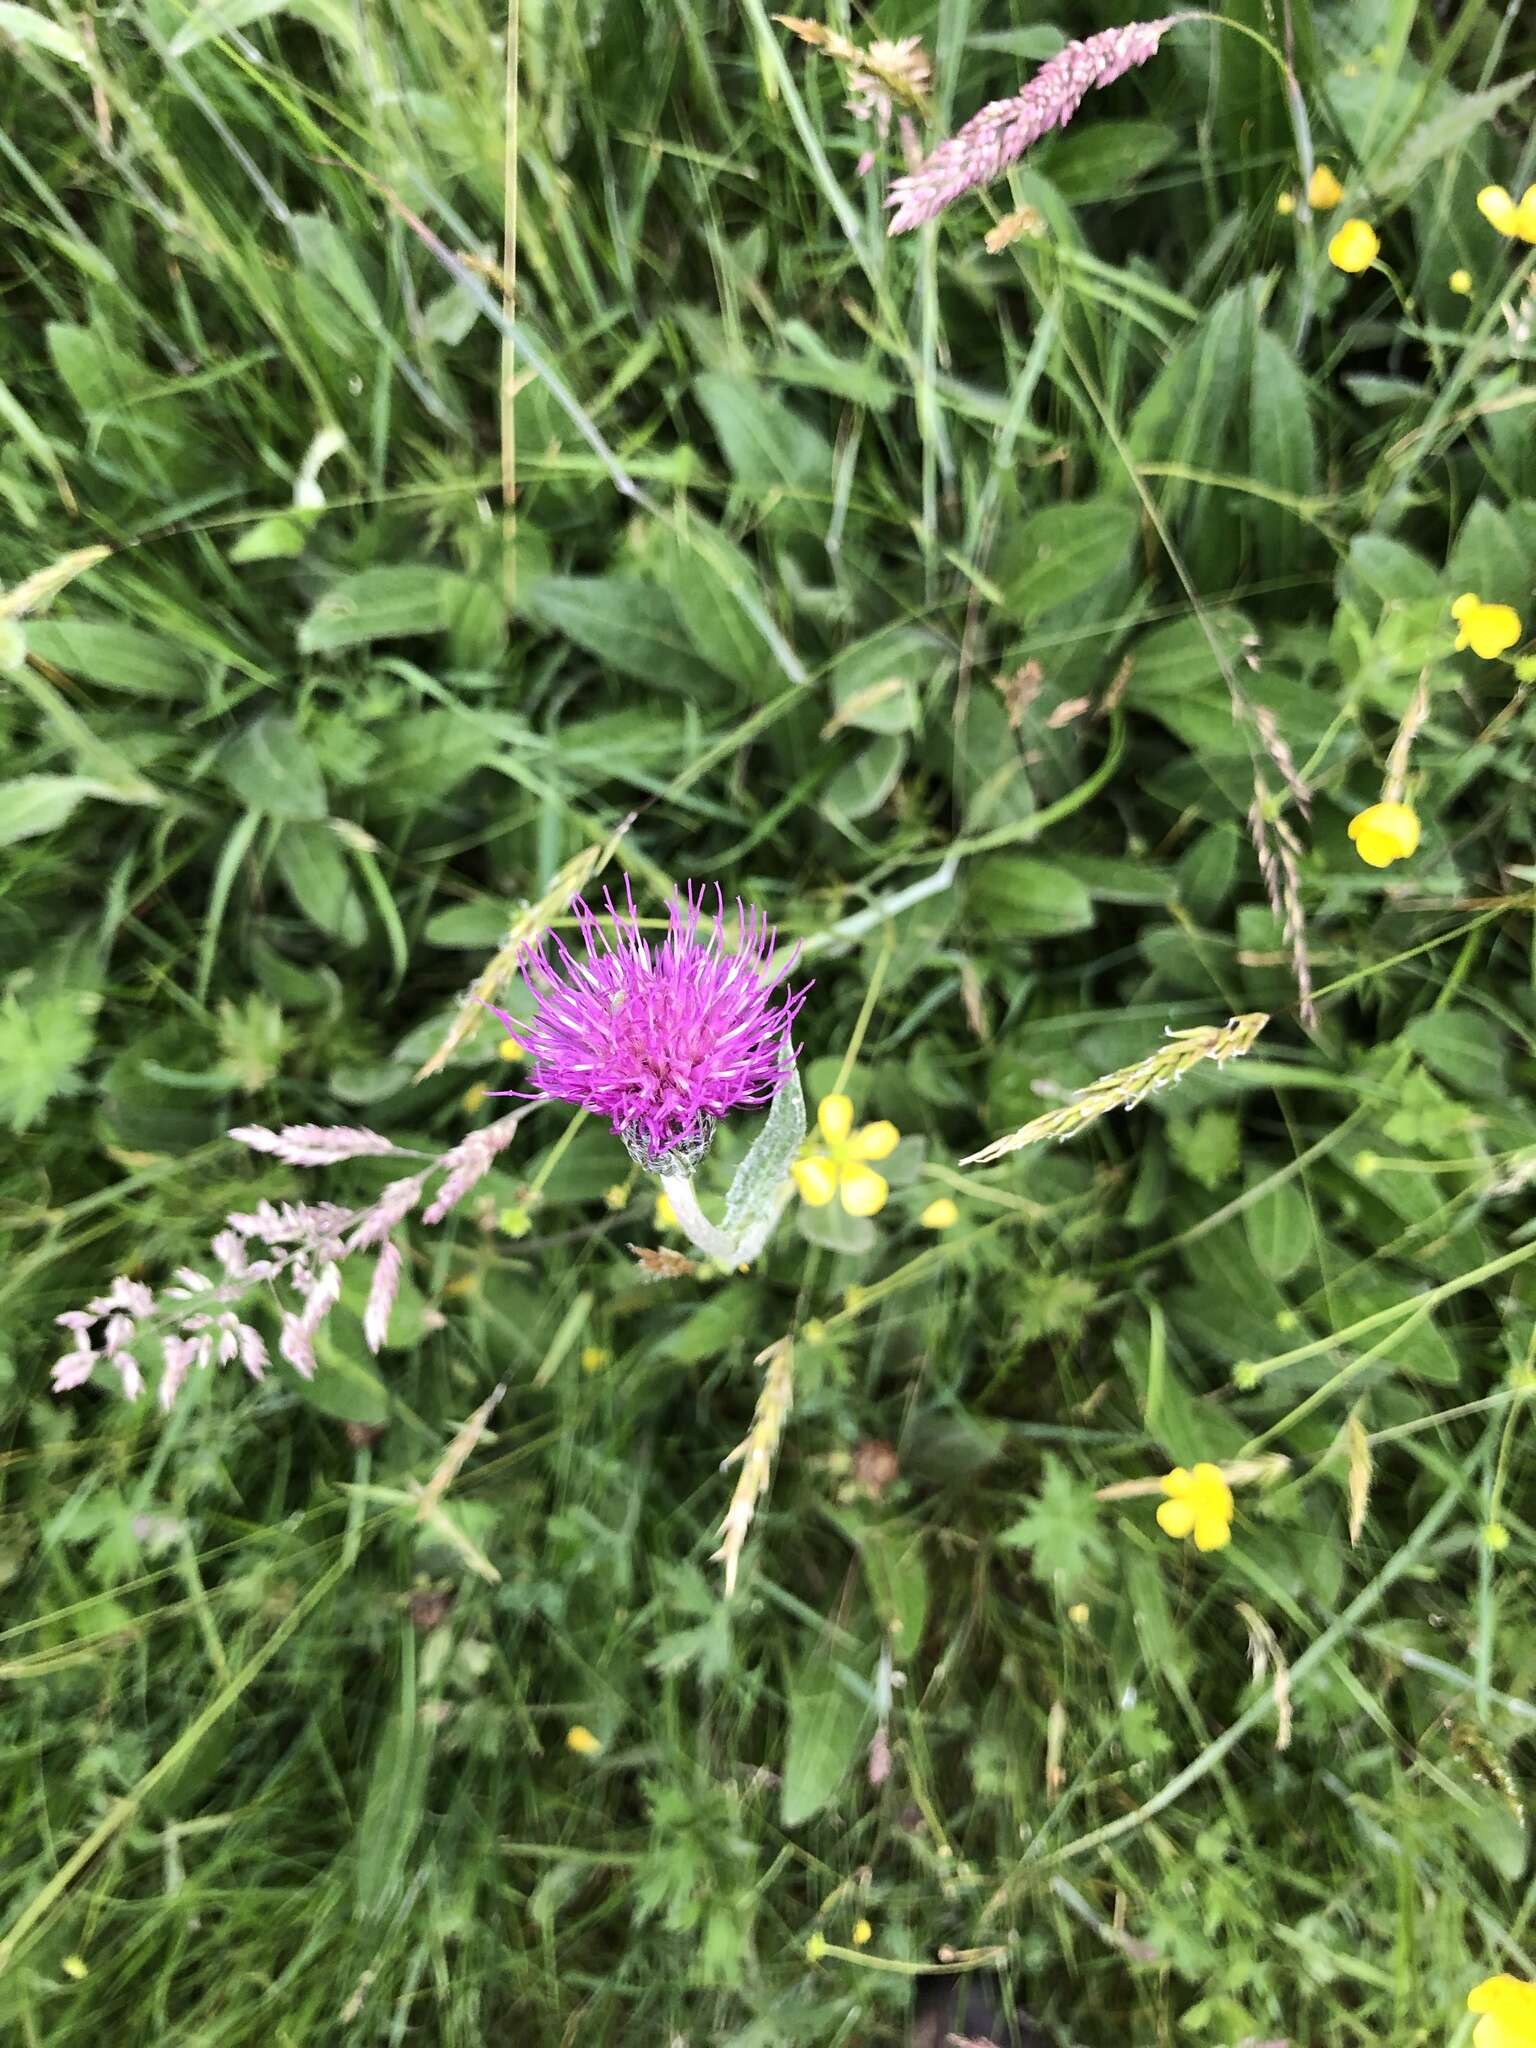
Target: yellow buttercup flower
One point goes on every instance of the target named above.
(1488, 629)
(1385, 833)
(1323, 189)
(1355, 247)
(1508, 2008)
(940, 1215)
(511, 1049)
(1505, 216)
(583, 1742)
(1461, 283)
(842, 1171)
(1199, 1504)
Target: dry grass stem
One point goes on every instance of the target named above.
(1265, 1655)
(755, 1454)
(1128, 1085)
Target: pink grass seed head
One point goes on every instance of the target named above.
(662, 1038)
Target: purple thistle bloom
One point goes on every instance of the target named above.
(663, 1040)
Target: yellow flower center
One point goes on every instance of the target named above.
(1355, 247)
(841, 1168)
(1488, 629)
(1385, 833)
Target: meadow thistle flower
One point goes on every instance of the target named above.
(1199, 1504)
(1460, 282)
(996, 137)
(842, 1170)
(1385, 833)
(940, 1214)
(1323, 190)
(1488, 629)
(1505, 216)
(1508, 2009)
(663, 1040)
(1354, 247)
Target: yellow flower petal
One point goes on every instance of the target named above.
(1175, 1518)
(1176, 1483)
(1497, 208)
(1212, 1531)
(816, 1178)
(1355, 247)
(1488, 629)
(1525, 215)
(874, 1141)
(1508, 2006)
(1323, 189)
(863, 1190)
(941, 1214)
(834, 1118)
(583, 1742)
(666, 1215)
(1385, 833)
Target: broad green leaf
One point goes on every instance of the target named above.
(1060, 554)
(1389, 570)
(868, 779)
(31, 804)
(1282, 451)
(705, 566)
(118, 657)
(1061, 1530)
(1466, 1049)
(311, 863)
(1206, 1146)
(271, 767)
(629, 626)
(1023, 898)
(345, 1385)
(1488, 558)
(1279, 1227)
(1460, 118)
(42, 1043)
(1103, 159)
(876, 684)
(758, 1186)
(892, 1555)
(767, 445)
(405, 601)
(212, 18)
(827, 1720)
(26, 26)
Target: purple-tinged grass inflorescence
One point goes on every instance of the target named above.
(662, 1039)
(996, 137)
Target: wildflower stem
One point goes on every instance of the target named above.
(703, 1235)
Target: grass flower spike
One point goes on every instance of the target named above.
(1488, 629)
(842, 1168)
(1355, 247)
(1385, 833)
(1506, 217)
(1199, 1504)
(1508, 2013)
(662, 1040)
(999, 135)
(1323, 190)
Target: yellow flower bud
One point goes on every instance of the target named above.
(1355, 247)
(863, 1934)
(1285, 204)
(1385, 833)
(1323, 189)
(940, 1214)
(593, 1358)
(582, 1742)
(1461, 283)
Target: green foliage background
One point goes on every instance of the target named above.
(279, 1767)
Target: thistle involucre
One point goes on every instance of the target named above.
(996, 137)
(663, 1040)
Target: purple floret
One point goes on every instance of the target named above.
(662, 1039)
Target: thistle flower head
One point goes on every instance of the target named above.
(662, 1039)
